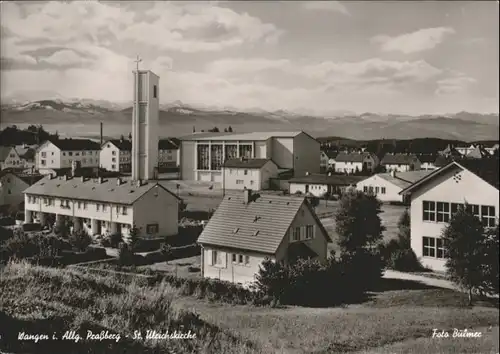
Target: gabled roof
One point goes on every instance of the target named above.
(255, 136)
(168, 144)
(25, 152)
(399, 159)
(478, 152)
(334, 180)
(331, 154)
(75, 144)
(121, 144)
(4, 152)
(90, 189)
(246, 163)
(427, 158)
(27, 178)
(486, 169)
(404, 179)
(352, 156)
(258, 226)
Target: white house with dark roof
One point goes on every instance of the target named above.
(116, 154)
(350, 162)
(17, 157)
(248, 227)
(12, 186)
(252, 174)
(61, 153)
(168, 153)
(437, 196)
(400, 162)
(321, 184)
(202, 155)
(387, 186)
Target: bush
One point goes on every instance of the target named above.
(166, 250)
(32, 227)
(125, 255)
(115, 240)
(80, 240)
(404, 260)
(22, 245)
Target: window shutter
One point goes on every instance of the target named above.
(209, 257)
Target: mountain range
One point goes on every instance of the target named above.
(178, 118)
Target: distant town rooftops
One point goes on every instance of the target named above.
(243, 162)
(399, 159)
(111, 190)
(334, 180)
(352, 156)
(255, 136)
(121, 144)
(75, 144)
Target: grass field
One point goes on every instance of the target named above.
(399, 317)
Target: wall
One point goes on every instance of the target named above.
(168, 158)
(87, 158)
(11, 189)
(261, 150)
(315, 189)
(52, 156)
(391, 191)
(306, 152)
(162, 209)
(318, 244)
(13, 160)
(235, 273)
(188, 160)
(269, 170)
(106, 157)
(348, 167)
(252, 180)
(282, 152)
(444, 188)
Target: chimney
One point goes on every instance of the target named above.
(101, 134)
(118, 181)
(247, 195)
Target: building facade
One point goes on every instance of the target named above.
(244, 231)
(400, 162)
(168, 153)
(321, 185)
(203, 154)
(11, 189)
(355, 162)
(58, 154)
(116, 155)
(252, 174)
(435, 198)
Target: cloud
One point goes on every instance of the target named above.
(65, 57)
(189, 27)
(417, 41)
(334, 6)
(457, 84)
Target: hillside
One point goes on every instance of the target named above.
(177, 118)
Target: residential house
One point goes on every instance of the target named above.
(116, 155)
(400, 162)
(248, 227)
(427, 162)
(351, 162)
(479, 152)
(386, 186)
(436, 197)
(332, 155)
(27, 154)
(323, 161)
(17, 157)
(104, 206)
(60, 153)
(492, 149)
(246, 173)
(202, 155)
(464, 149)
(320, 184)
(451, 152)
(12, 186)
(168, 153)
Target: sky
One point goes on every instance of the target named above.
(311, 56)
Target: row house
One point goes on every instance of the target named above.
(400, 162)
(351, 162)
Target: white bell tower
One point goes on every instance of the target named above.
(145, 116)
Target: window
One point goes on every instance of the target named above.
(113, 167)
(365, 189)
(124, 211)
(9, 192)
(70, 153)
(443, 212)
(455, 206)
(247, 260)
(433, 247)
(52, 153)
(83, 153)
(42, 162)
(104, 207)
(251, 182)
(429, 211)
(245, 172)
(382, 190)
(488, 215)
(218, 258)
(429, 246)
(79, 205)
(234, 257)
(64, 154)
(113, 153)
(152, 229)
(309, 232)
(239, 181)
(295, 234)
(240, 258)
(77, 154)
(84, 205)
(376, 190)
(97, 207)
(155, 91)
(370, 189)
(474, 208)
(113, 159)
(44, 154)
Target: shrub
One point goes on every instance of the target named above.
(115, 240)
(125, 255)
(404, 260)
(80, 240)
(166, 250)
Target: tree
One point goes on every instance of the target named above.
(225, 130)
(133, 237)
(358, 223)
(214, 130)
(166, 250)
(62, 229)
(130, 136)
(491, 254)
(464, 250)
(230, 129)
(404, 230)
